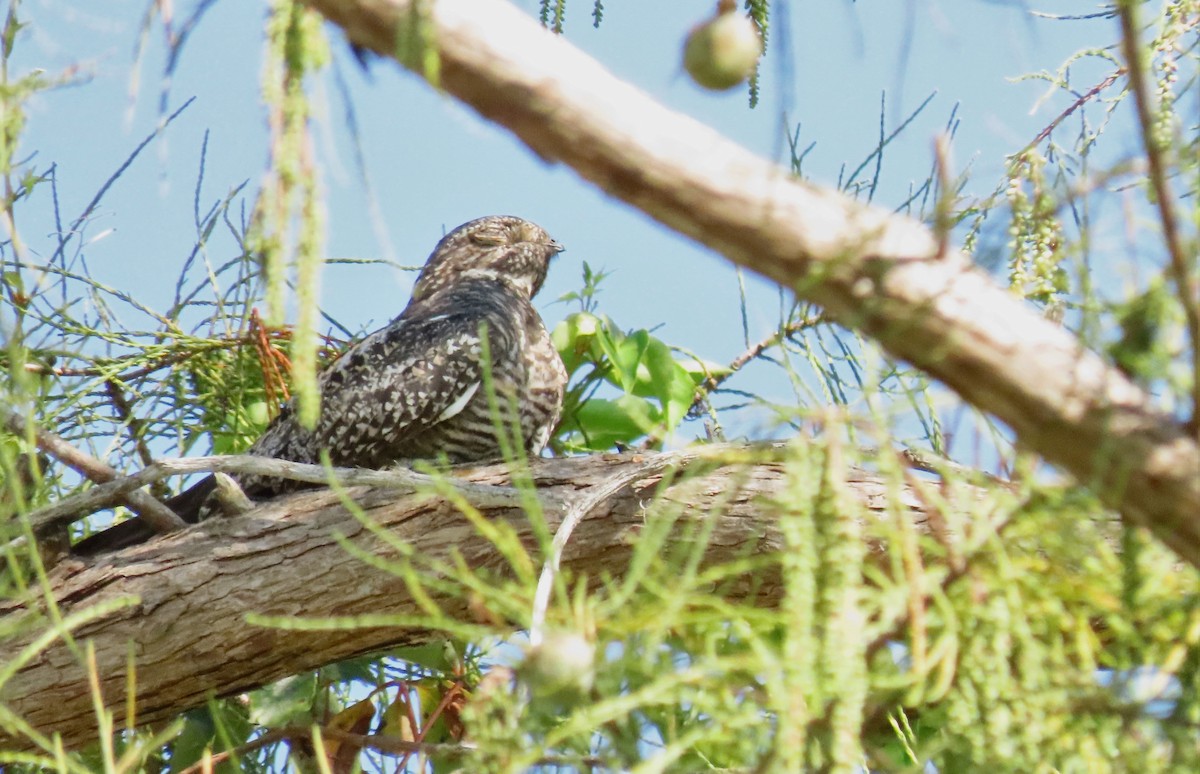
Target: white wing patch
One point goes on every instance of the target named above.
(459, 403)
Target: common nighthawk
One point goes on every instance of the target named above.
(415, 388)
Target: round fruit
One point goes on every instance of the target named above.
(561, 666)
(723, 51)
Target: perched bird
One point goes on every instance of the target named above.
(415, 389)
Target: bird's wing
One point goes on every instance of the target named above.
(420, 370)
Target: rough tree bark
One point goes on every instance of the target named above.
(885, 275)
(187, 595)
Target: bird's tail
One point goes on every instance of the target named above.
(187, 504)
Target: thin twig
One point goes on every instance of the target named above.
(391, 745)
(95, 202)
(137, 428)
(930, 462)
(136, 373)
(273, 736)
(784, 332)
(456, 692)
(1078, 103)
(158, 516)
(579, 510)
(943, 218)
(115, 490)
(1162, 193)
(230, 498)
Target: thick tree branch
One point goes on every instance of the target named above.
(192, 590)
(870, 270)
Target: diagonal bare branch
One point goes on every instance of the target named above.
(1181, 266)
(157, 515)
(117, 490)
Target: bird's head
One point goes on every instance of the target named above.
(498, 248)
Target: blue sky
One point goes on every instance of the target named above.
(433, 164)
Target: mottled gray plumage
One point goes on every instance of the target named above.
(415, 388)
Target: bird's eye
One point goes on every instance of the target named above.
(489, 237)
(526, 232)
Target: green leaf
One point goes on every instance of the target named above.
(430, 693)
(573, 339)
(672, 384)
(605, 423)
(197, 734)
(361, 668)
(625, 353)
(1151, 332)
(286, 701)
(220, 725)
(436, 656)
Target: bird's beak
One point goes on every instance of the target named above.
(556, 247)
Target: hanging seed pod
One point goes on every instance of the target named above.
(723, 51)
(561, 667)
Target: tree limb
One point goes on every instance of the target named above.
(68, 510)
(1182, 265)
(188, 628)
(158, 516)
(870, 269)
